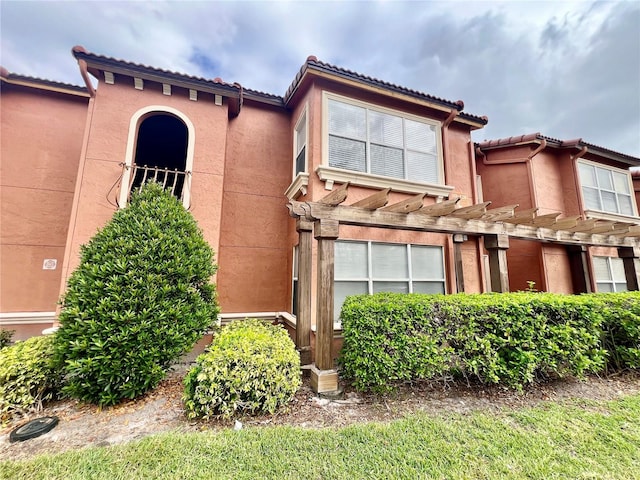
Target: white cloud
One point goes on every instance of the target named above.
(566, 69)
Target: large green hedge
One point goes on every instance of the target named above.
(139, 299)
(508, 339)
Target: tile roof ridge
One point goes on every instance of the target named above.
(555, 142)
(312, 61)
(6, 74)
(80, 51)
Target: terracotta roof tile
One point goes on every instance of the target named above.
(80, 53)
(574, 143)
(40, 81)
(313, 62)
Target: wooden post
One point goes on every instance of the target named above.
(324, 378)
(458, 240)
(497, 246)
(630, 257)
(303, 320)
(579, 264)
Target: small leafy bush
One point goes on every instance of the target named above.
(27, 376)
(5, 337)
(251, 366)
(621, 328)
(507, 339)
(139, 299)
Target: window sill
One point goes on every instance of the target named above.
(613, 217)
(332, 174)
(298, 186)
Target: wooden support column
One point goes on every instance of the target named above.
(458, 240)
(303, 319)
(579, 264)
(324, 378)
(631, 258)
(497, 245)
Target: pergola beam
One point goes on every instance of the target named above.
(350, 215)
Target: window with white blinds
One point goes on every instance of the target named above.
(609, 274)
(605, 189)
(370, 267)
(382, 142)
(300, 145)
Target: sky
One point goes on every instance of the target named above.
(565, 69)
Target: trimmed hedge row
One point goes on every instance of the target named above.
(621, 328)
(508, 339)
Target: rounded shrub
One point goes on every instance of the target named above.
(250, 367)
(141, 297)
(27, 376)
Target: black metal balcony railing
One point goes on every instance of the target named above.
(172, 180)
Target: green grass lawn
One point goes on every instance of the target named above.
(595, 440)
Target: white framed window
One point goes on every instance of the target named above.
(609, 274)
(373, 140)
(372, 267)
(300, 145)
(606, 189)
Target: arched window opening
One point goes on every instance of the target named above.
(161, 153)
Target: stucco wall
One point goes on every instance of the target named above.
(106, 145)
(41, 141)
(255, 251)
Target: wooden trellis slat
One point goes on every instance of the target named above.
(603, 227)
(337, 196)
(500, 213)
(564, 223)
(472, 212)
(582, 226)
(375, 201)
(440, 209)
(545, 220)
(406, 206)
(522, 216)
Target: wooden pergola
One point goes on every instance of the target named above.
(496, 225)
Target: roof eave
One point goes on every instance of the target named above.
(97, 63)
(320, 71)
(47, 85)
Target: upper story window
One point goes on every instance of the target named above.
(300, 145)
(382, 142)
(160, 149)
(606, 189)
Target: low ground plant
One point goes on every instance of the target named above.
(27, 376)
(5, 337)
(250, 367)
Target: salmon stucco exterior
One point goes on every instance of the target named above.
(345, 184)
